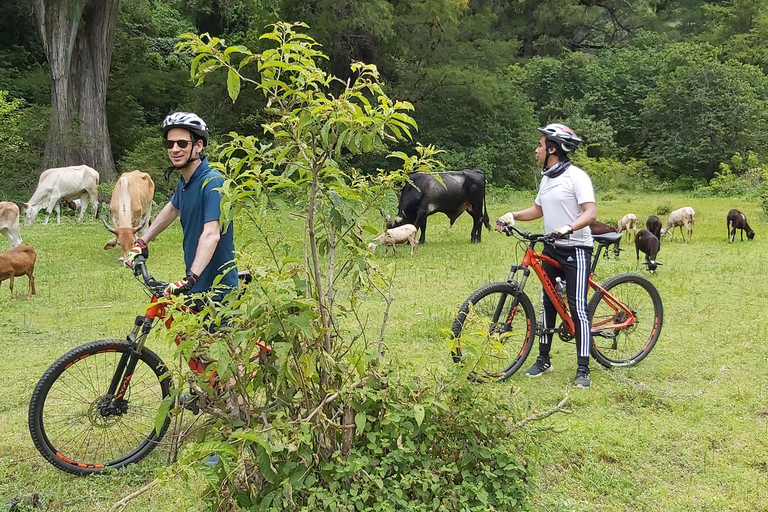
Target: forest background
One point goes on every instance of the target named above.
(667, 94)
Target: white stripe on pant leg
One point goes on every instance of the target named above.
(544, 338)
(582, 283)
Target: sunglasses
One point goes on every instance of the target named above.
(181, 143)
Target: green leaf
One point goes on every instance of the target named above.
(360, 420)
(233, 84)
(162, 413)
(418, 413)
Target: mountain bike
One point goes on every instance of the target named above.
(99, 405)
(626, 314)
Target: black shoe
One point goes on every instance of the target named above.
(582, 378)
(539, 368)
(190, 402)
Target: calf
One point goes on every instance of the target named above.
(628, 223)
(654, 226)
(737, 220)
(18, 261)
(647, 242)
(9, 223)
(398, 235)
(681, 218)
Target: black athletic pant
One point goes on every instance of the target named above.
(575, 263)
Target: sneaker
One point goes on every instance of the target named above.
(582, 378)
(540, 367)
(190, 402)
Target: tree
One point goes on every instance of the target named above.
(77, 39)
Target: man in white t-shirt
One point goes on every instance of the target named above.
(566, 200)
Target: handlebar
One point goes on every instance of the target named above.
(545, 238)
(153, 285)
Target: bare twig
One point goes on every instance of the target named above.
(123, 502)
(542, 415)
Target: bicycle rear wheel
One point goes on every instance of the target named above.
(65, 418)
(494, 331)
(625, 346)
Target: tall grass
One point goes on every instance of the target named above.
(684, 430)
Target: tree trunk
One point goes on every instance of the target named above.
(77, 38)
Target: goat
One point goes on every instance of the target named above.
(647, 242)
(737, 220)
(398, 235)
(600, 228)
(653, 224)
(681, 218)
(18, 261)
(628, 223)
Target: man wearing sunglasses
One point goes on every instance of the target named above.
(208, 251)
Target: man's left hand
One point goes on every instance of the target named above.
(562, 232)
(181, 286)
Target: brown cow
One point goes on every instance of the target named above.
(131, 207)
(9, 223)
(18, 261)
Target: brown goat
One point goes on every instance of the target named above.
(653, 224)
(646, 242)
(18, 261)
(737, 220)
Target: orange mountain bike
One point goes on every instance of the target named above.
(99, 405)
(626, 314)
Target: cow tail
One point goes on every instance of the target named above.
(486, 220)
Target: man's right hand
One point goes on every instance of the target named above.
(139, 249)
(508, 219)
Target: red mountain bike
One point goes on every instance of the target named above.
(626, 314)
(98, 406)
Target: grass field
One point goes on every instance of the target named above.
(685, 430)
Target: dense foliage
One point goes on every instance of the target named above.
(678, 85)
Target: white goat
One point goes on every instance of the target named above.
(682, 217)
(398, 235)
(628, 223)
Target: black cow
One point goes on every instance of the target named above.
(460, 191)
(654, 226)
(737, 220)
(647, 242)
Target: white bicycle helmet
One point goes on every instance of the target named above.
(188, 121)
(562, 135)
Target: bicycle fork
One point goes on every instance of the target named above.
(114, 403)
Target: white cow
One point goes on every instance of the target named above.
(78, 182)
(9, 223)
(131, 207)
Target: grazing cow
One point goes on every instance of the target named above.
(654, 226)
(78, 182)
(600, 228)
(9, 223)
(647, 242)
(399, 235)
(628, 223)
(16, 262)
(737, 220)
(681, 218)
(131, 207)
(459, 191)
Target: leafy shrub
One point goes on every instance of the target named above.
(664, 209)
(612, 174)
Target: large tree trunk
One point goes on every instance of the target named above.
(77, 38)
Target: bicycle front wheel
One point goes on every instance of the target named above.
(613, 342)
(494, 331)
(66, 412)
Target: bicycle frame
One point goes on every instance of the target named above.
(534, 260)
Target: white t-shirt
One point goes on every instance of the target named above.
(560, 199)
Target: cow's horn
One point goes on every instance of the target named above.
(141, 225)
(109, 228)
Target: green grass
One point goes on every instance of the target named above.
(685, 430)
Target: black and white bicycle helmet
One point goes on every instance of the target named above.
(188, 121)
(562, 135)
